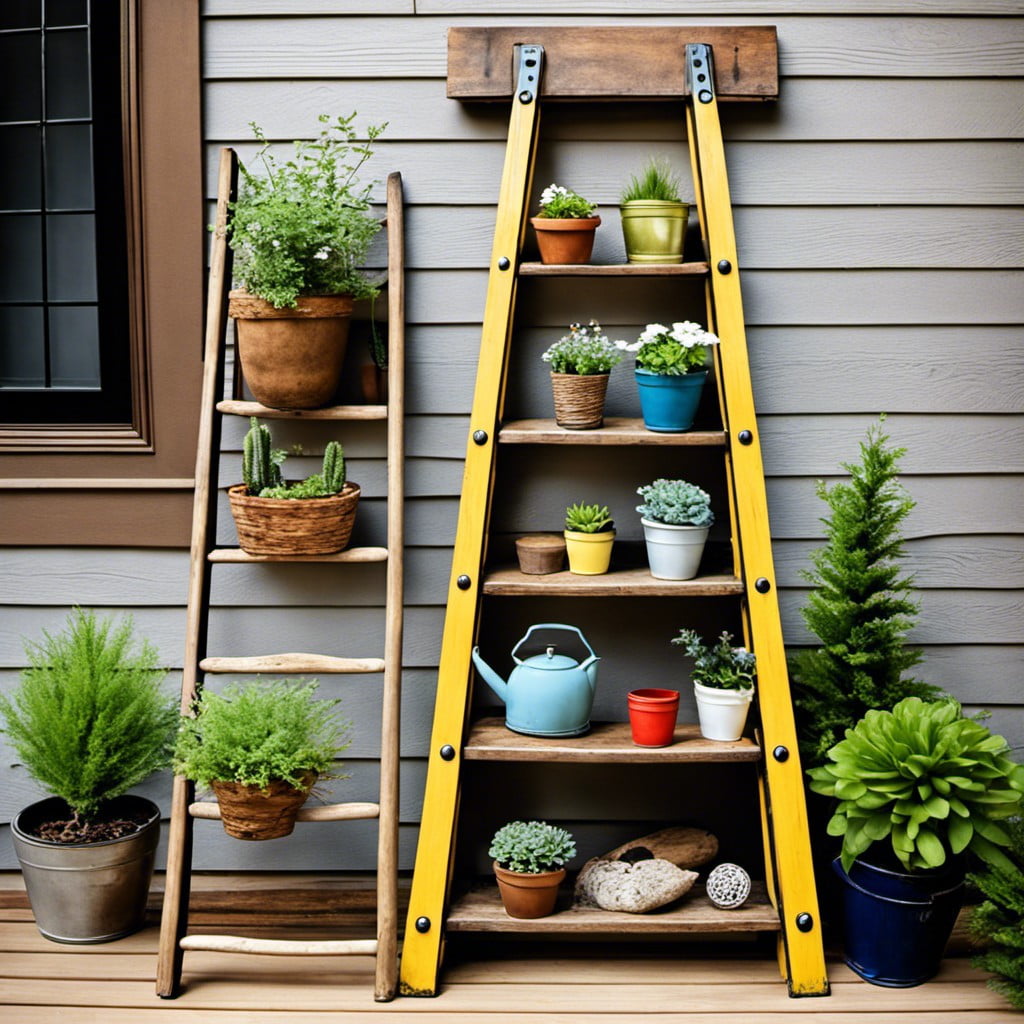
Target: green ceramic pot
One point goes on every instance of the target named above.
(654, 230)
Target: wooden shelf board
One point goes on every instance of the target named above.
(237, 555)
(617, 430)
(233, 407)
(480, 910)
(635, 582)
(606, 743)
(699, 269)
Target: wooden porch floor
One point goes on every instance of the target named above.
(42, 982)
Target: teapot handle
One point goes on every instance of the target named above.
(552, 625)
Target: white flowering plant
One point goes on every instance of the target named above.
(671, 351)
(304, 226)
(584, 351)
(560, 203)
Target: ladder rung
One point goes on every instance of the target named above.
(278, 947)
(292, 663)
(210, 811)
(235, 407)
(238, 556)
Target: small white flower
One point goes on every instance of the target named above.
(321, 255)
(255, 226)
(276, 244)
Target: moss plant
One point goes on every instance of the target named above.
(531, 847)
(89, 719)
(655, 181)
(256, 733)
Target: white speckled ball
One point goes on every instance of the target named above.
(728, 886)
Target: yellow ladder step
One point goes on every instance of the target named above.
(278, 947)
(292, 663)
(210, 811)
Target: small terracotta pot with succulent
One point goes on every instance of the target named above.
(529, 864)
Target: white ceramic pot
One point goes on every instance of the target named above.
(674, 552)
(722, 713)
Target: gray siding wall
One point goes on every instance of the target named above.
(879, 215)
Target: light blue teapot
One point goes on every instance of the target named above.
(548, 694)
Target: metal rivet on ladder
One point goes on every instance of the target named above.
(463, 582)
(479, 437)
(504, 263)
(804, 922)
(447, 752)
(423, 925)
(781, 753)
(724, 267)
(761, 585)
(746, 436)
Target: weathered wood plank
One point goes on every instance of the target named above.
(717, 7)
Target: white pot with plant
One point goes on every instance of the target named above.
(653, 215)
(581, 363)
(300, 233)
(565, 226)
(529, 865)
(676, 516)
(589, 536)
(723, 683)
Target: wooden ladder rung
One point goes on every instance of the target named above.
(238, 556)
(210, 811)
(279, 947)
(292, 663)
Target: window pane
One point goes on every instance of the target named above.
(20, 168)
(69, 167)
(21, 96)
(20, 14)
(74, 347)
(22, 364)
(67, 74)
(66, 12)
(21, 244)
(71, 257)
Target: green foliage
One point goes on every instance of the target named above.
(253, 734)
(656, 181)
(861, 608)
(531, 847)
(924, 777)
(581, 518)
(583, 351)
(675, 502)
(672, 351)
(304, 226)
(261, 468)
(998, 922)
(722, 666)
(558, 203)
(88, 719)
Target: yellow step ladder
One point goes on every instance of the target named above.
(610, 63)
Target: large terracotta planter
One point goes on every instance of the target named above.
(248, 812)
(528, 896)
(292, 358)
(579, 399)
(654, 230)
(565, 240)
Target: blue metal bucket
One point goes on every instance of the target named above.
(669, 404)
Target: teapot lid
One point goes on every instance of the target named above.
(551, 661)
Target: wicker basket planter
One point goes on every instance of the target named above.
(249, 812)
(289, 526)
(579, 399)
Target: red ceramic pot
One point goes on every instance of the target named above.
(652, 716)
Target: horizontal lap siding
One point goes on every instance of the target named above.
(879, 208)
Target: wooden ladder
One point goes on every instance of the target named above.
(174, 936)
(611, 64)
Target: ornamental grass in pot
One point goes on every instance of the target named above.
(589, 536)
(653, 215)
(676, 516)
(301, 230)
(723, 683)
(581, 363)
(565, 226)
(261, 748)
(89, 721)
(529, 865)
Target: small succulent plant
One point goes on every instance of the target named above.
(531, 847)
(580, 518)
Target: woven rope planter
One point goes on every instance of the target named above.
(294, 526)
(248, 812)
(579, 400)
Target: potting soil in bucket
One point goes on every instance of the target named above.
(895, 930)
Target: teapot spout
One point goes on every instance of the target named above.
(493, 680)
(590, 667)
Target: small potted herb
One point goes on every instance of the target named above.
(653, 215)
(676, 516)
(723, 683)
(589, 536)
(529, 864)
(581, 363)
(670, 373)
(261, 748)
(565, 226)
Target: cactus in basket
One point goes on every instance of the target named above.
(261, 464)
(334, 467)
(261, 468)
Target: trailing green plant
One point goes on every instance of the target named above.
(261, 468)
(671, 351)
(861, 608)
(583, 351)
(88, 719)
(531, 847)
(580, 518)
(721, 666)
(656, 181)
(560, 203)
(675, 502)
(259, 732)
(304, 226)
(929, 781)
(997, 924)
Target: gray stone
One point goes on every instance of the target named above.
(631, 887)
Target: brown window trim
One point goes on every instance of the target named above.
(128, 484)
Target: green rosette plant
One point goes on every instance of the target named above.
(560, 203)
(931, 782)
(721, 665)
(584, 351)
(671, 351)
(581, 518)
(675, 502)
(531, 847)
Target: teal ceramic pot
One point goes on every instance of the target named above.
(669, 404)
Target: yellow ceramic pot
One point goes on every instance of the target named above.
(589, 553)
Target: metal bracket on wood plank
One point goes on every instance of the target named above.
(530, 63)
(700, 72)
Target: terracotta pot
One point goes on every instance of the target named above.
(565, 241)
(292, 358)
(375, 384)
(527, 896)
(579, 400)
(248, 812)
(540, 554)
(652, 716)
